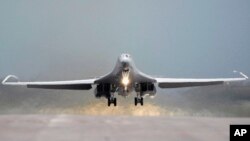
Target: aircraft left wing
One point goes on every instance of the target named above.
(180, 82)
(85, 84)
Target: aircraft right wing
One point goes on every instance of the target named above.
(85, 84)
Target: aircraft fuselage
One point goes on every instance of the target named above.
(126, 78)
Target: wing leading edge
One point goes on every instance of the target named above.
(180, 82)
(85, 84)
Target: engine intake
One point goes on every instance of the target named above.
(146, 89)
(103, 90)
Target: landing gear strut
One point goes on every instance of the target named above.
(138, 100)
(112, 100)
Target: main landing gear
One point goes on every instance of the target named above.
(112, 100)
(138, 100)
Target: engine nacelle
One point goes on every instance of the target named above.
(146, 89)
(103, 90)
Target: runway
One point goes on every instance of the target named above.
(114, 128)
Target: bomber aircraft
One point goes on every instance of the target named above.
(123, 80)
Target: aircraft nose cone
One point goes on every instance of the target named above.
(125, 61)
(125, 64)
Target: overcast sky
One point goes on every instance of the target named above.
(61, 39)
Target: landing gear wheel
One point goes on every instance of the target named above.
(109, 102)
(112, 100)
(141, 101)
(136, 101)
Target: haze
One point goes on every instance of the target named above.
(59, 40)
